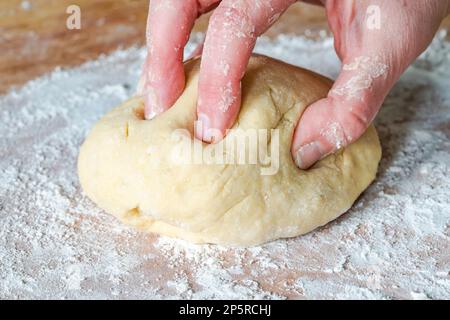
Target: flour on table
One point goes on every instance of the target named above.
(54, 243)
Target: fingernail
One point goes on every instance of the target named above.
(308, 154)
(152, 105)
(203, 127)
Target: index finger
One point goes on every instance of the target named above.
(168, 28)
(230, 40)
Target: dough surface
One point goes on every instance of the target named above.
(126, 166)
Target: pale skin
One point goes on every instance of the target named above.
(373, 59)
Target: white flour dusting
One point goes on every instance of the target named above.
(365, 70)
(55, 243)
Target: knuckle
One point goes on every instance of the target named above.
(346, 125)
(354, 123)
(335, 134)
(228, 17)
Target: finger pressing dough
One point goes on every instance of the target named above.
(126, 166)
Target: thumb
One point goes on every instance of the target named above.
(340, 119)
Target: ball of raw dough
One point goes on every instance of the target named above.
(126, 166)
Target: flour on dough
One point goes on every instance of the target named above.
(124, 166)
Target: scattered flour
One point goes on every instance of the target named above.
(365, 70)
(55, 243)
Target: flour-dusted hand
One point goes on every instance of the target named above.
(373, 57)
(230, 39)
(168, 27)
(229, 43)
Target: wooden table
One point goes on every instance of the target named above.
(375, 250)
(34, 38)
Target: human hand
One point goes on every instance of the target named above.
(231, 36)
(373, 60)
